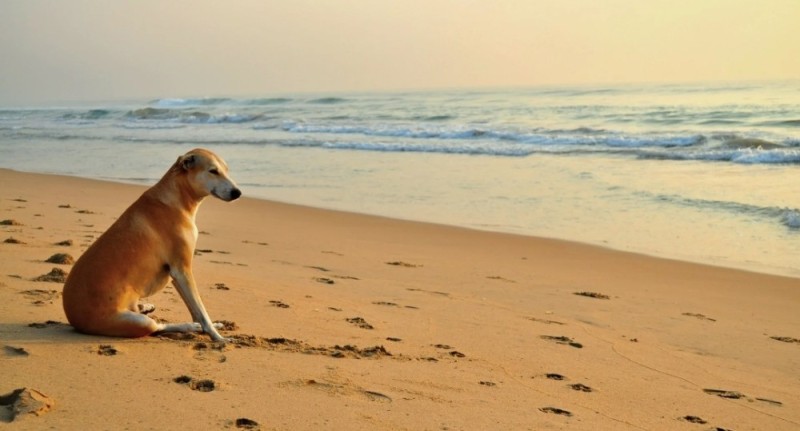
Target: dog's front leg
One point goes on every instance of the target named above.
(184, 282)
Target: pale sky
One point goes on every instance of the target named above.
(97, 50)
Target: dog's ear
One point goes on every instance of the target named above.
(187, 162)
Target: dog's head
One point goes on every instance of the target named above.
(208, 174)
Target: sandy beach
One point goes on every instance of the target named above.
(345, 321)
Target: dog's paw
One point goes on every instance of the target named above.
(146, 308)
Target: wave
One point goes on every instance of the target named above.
(200, 117)
(743, 156)
(327, 100)
(789, 217)
(178, 103)
(92, 114)
(578, 136)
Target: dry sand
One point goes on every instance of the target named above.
(351, 322)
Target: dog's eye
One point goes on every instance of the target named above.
(214, 171)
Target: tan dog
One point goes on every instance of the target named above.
(151, 242)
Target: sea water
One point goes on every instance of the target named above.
(706, 173)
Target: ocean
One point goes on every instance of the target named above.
(704, 172)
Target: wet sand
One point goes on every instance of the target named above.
(346, 321)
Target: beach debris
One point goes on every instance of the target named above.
(12, 240)
(61, 259)
(786, 339)
(65, 206)
(10, 222)
(360, 322)
(247, 424)
(221, 286)
(23, 403)
(488, 383)
(592, 295)
(556, 410)
(694, 419)
(65, 243)
(56, 275)
(278, 304)
(555, 376)
(560, 339)
(394, 339)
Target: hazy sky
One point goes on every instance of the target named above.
(58, 50)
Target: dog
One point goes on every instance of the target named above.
(152, 242)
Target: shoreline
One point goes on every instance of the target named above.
(753, 267)
(350, 321)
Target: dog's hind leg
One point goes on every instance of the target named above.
(132, 324)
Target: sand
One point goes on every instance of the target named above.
(346, 321)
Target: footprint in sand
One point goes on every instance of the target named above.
(592, 295)
(556, 410)
(15, 352)
(339, 389)
(10, 222)
(23, 403)
(694, 419)
(360, 322)
(555, 376)
(202, 385)
(46, 324)
(545, 321)
(56, 275)
(106, 350)
(278, 304)
(12, 240)
(324, 280)
(404, 264)
(700, 316)
(786, 339)
(733, 395)
(247, 424)
(41, 296)
(562, 340)
(65, 243)
(580, 387)
(61, 259)
(499, 278)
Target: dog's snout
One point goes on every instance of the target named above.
(235, 194)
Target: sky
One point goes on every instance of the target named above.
(102, 50)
